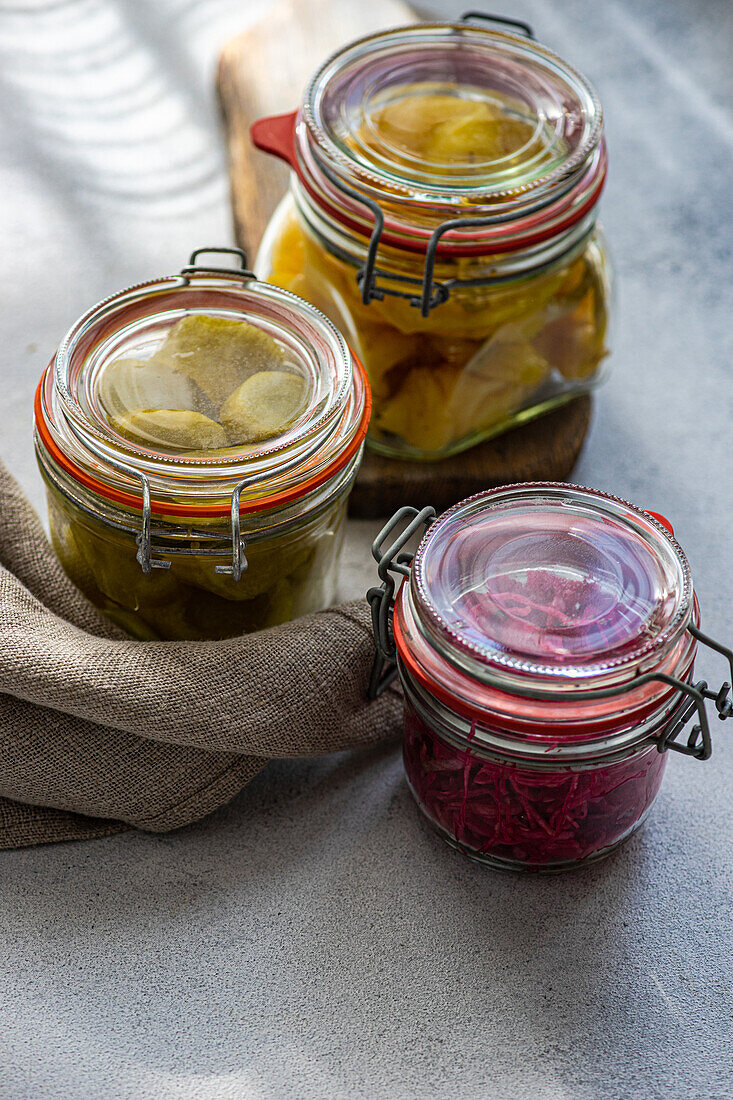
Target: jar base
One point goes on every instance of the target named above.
(497, 863)
(405, 453)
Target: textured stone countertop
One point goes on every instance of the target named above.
(312, 940)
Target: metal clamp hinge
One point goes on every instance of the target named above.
(145, 543)
(372, 291)
(699, 741)
(394, 560)
(144, 539)
(503, 20)
(239, 562)
(430, 292)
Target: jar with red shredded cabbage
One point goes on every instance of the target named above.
(530, 815)
(545, 637)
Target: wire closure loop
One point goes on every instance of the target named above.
(192, 267)
(487, 17)
(145, 545)
(381, 599)
(239, 561)
(426, 293)
(144, 541)
(394, 560)
(553, 215)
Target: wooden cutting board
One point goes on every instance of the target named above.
(263, 72)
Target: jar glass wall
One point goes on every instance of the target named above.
(444, 191)
(545, 638)
(526, 815)
(491, 357)
(292, 565)
(198, 437)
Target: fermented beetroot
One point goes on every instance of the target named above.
(525, 815)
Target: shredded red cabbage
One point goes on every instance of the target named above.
(527, 816)
(562, 590)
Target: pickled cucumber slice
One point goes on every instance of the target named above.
(263, 406)
(127, 384)
(195, 615)
(267, 562)
(448, 129)
(117, 574)
(218, 354)
(69, 553)
(130, 621)
(288, 574)
(173, 428)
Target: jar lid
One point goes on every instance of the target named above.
(547, 587)
(199, 383)
(405, 134)
(451, 113)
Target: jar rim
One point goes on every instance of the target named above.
(352, 75)
(503, 232)
(509, 219)
(552, 720)
(265, 476)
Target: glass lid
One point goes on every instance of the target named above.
(550, 581)
(438, 111)
(200, 382)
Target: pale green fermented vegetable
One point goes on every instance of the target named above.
(287, 574)
(178, 429)
(218, 354)
(213, 384)
(262, 406)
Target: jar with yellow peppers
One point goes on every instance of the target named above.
(442, 213)
(198, 436)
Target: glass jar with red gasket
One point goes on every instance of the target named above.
(198, 436)
(545, 639)
(442, 212)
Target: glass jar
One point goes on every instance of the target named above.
(184, 525)
(442, 213)
(545, 641)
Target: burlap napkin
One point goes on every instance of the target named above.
(99, 732)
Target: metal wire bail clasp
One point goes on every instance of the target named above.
(393, 560)
(699, 742)
(517, 25)
(239, 561)
(192, 267)
(144, 540)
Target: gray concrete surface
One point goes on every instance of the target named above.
(311, 940)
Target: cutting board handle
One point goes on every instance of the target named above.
(275, 134)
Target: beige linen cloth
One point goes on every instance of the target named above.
(99, 732)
